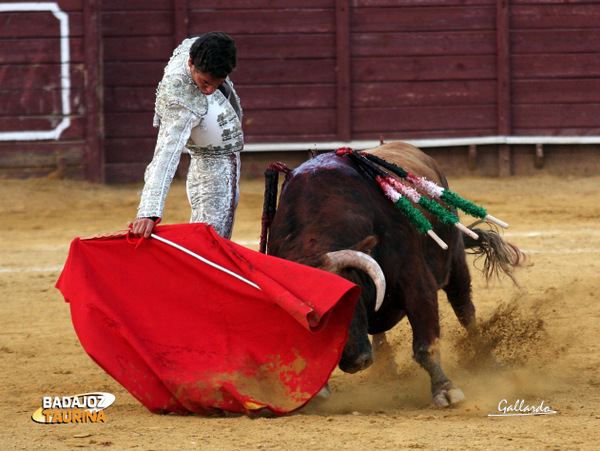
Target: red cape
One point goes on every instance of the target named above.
(182, 336)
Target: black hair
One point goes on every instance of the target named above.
(214, 54)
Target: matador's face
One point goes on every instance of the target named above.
(205, 82)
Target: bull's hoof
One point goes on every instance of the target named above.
(364, 361)
(447, 397)
(321, 398)
(324, 393)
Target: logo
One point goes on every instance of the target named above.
(519, 408)
(84, 408)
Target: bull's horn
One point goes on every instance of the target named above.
(338, 260)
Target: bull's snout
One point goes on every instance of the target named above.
(361, 362)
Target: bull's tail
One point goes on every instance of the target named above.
(499, 255)
(270, 201)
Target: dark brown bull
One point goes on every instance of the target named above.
(329, 204)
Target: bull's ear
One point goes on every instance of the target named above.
(366, 245)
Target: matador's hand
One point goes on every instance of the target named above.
(143, 227)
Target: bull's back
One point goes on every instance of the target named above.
(411, 159)
(329, 190)
(326, 204)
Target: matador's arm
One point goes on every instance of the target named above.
(175, 128)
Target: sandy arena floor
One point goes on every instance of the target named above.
(546, 335)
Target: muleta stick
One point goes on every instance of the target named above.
(437, 192)
(202, 259)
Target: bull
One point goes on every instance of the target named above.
(329, 205)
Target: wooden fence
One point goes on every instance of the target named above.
(78, 78)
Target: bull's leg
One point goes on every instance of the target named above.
(383, 356)
(422, 312)
(443, 390)
(458, 291)
(358, 352)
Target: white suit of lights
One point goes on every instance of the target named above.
(209, 126)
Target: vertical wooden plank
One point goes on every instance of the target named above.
(342, 26)
(181, 21)
(503, 84)
(94, 92)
